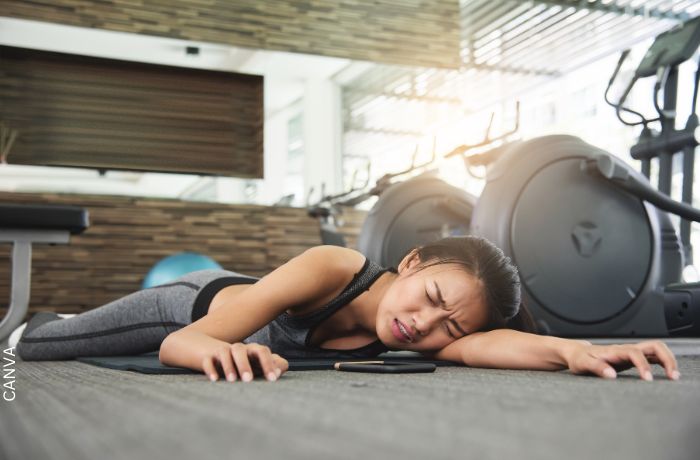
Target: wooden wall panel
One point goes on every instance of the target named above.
(128, 235)
(408, 32)
(101, 113)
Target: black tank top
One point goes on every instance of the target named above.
(289, 335)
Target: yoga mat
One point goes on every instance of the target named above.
(148, 363)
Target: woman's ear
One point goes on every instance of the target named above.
(409, 261)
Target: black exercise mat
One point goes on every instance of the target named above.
(148, 363)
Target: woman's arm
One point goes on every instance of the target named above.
(316, 272)
(188, 349)
(308, 276)
(511, 349)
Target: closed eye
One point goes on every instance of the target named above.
(446, 328)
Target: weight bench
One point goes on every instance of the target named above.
(23, 225)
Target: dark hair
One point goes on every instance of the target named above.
(481, 258)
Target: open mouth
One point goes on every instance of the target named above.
(400, 332)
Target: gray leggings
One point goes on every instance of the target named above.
(135, 324)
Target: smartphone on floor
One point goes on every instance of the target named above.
(384, 367)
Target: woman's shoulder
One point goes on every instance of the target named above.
(332, 268)
(338, 259)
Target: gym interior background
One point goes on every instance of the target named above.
(248, 131)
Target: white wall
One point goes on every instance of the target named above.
(322, 134)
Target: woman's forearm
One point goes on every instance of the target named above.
(510, 349)
(187, 348)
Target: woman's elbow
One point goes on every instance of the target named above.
(165, 351)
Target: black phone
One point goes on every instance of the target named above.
(384, 367)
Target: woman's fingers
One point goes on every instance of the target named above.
(606, 361)
(227, 366)
(264, 357)
(237, 360)
(281, 364)
(599, 367)
(620, 355)
(658, 352)
(210, 369)
(642, 355)
(640, 361)
(240, 356)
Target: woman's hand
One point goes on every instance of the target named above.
(606, 360)
(235, 361)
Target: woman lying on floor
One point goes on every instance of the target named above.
(457, 299)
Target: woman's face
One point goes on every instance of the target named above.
(436, 306)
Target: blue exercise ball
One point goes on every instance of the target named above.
(173, 267)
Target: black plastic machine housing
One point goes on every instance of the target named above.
(593, 259)
(417, 211)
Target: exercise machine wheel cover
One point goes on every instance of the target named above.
(414, 212)
(591, 257)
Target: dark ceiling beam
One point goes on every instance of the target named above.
(355, 127)
(515, 70)
(359, 92)
(598, 5)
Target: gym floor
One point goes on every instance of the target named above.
(72, 410)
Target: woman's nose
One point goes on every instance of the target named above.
(426, 319)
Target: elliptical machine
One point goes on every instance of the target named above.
(421, 209)
(597, 255)
(328, 212)
(408, 213)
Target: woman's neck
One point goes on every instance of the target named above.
(365, 313)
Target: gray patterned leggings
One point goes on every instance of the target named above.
(134, 324)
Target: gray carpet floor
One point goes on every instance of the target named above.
(72, 410)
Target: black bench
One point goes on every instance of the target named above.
(23, 225)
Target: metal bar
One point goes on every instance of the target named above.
(471, 9)
(578, 39)
(515, 70)
(470, 26)
(627, 10)
(373, 81)
(408, 97)
(391, 132)
(576, 57)
(493, 11)
(517, 26)
(687, 197)
(521, 29)
(510, 16)
(10, 235)
(623, 39)
(668, 126)
(19, 293)
(549, 38)
(523, 41)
